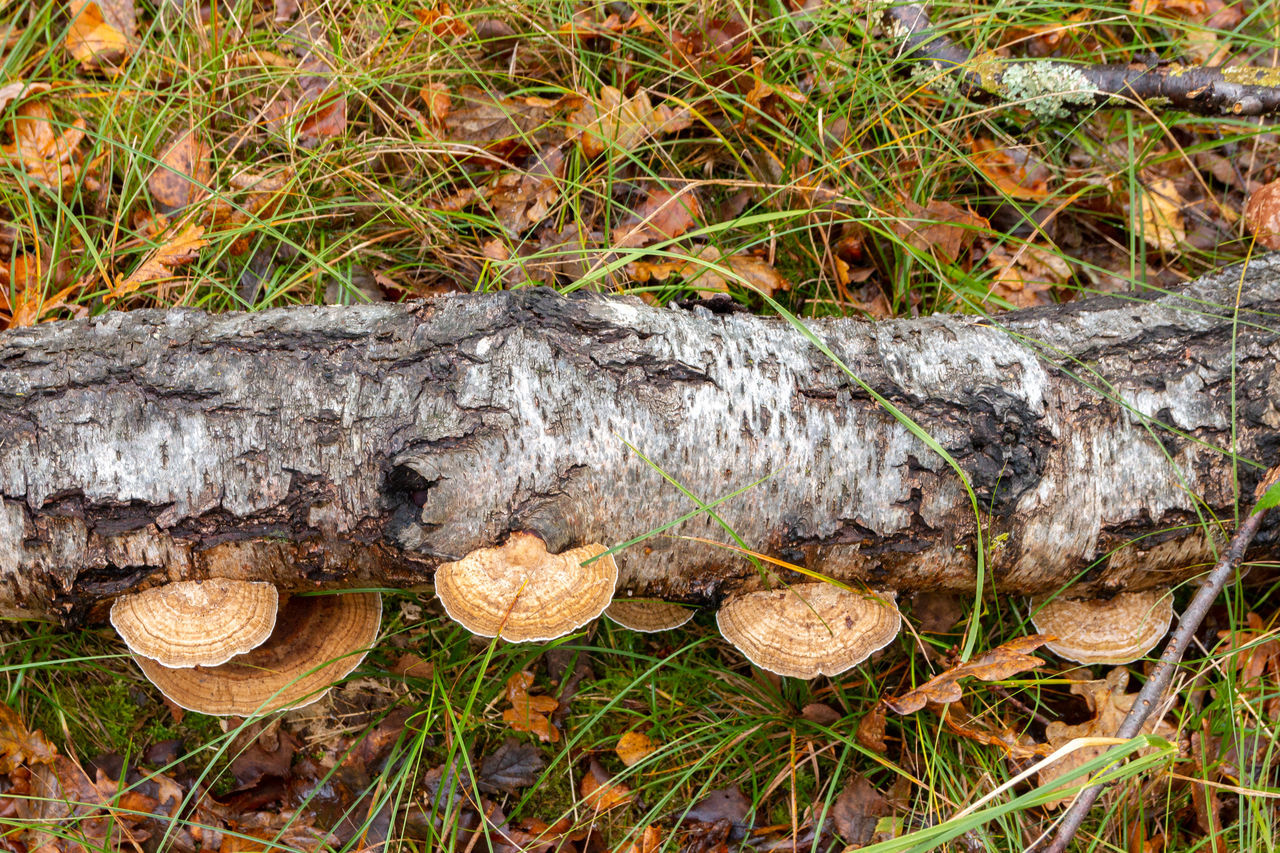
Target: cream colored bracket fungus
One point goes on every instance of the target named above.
(809, 629)
(648, 615)
(1113, 631)
(196, 623)
(317, 641)
(522, 593)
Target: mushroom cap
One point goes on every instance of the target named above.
(648, 615)
(1112, 631)
(195, 623)
(317, 640)
(809, 629)
(522, 593)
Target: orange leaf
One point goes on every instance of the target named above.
(18, 746)
(1012, 171)
(700, 272)
(92, 39)
(179, 250)
(938, 228)
(183, 172)
(599, 792)
(528, 713)
(650, 841)
(1001, 662)
(634, 747)
(663, 215)
(46, 153)
(28, 275)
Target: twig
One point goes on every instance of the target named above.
(1159, 680)
(1052, 89)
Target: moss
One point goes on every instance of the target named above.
(1047, 89)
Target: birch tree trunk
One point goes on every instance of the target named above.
(351, 446)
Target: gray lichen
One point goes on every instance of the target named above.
(1047, 88)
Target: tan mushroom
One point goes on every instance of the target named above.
(317, 641)
(196, 623)
(648, 615)
(1112, 631)
(522, 593)
(809, 629)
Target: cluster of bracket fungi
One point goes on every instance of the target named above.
(229, 647)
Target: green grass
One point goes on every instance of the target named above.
(716, 721)
(825, 180)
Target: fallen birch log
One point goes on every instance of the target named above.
(363, 446)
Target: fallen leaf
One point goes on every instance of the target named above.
(939, 228)
(511, 767)
(413, 665)
(1013, 171)
(436, 97)
(871, 730)
(1001, 662)
(183, 173)
(618, 124)
(322, 117)
(177, 248)
(97, 36)
(600, 792)
(634, 747)
(262, 748)
(857, 811)
(529, 713)
(441, 20)
(478, 123)
(1016, 745)
(521, 200)
(820, 713)
(46, 150)
(1262, 214)
(18, 746)
(1109, 703)
(700, 272)
(724, 805)
(31, 275)
(650, 841)
(664, 215)
(1161, 204)
(1025, 276)
(1255, 655)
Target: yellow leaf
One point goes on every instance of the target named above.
(93, 40)
(1162, 223)
(634, 747)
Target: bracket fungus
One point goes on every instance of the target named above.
(317, 640)
(522, 593)
(196, 623)
(809, 629)
(648, 615)
(1110, 631)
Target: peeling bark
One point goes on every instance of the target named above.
(365, 445)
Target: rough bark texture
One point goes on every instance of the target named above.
(359, 445)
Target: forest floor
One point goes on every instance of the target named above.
(248, 156)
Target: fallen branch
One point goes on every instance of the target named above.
(1053, 89)
(357, 446)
